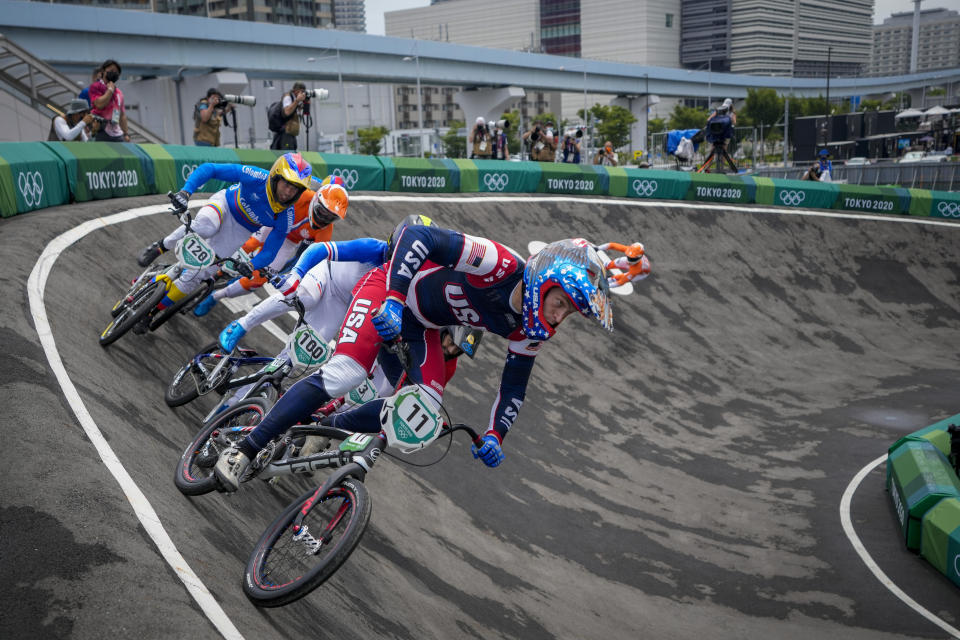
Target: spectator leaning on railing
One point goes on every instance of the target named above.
(74, 124)
(108, 105)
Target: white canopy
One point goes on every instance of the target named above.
(909, 113)
(936, 111)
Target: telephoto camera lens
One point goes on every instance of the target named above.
(503, 124)
(319, 94)
(250, 101)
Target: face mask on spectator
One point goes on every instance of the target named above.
(112, 76)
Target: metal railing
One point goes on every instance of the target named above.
(44, 87)
(943, 176)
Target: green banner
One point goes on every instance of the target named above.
(420, 175)
(941, 204)
(918, 476)
(263, 158)
(102, 170)
(937, 434)
(649, 183)
(173, 164)
(872, 199)
(580, 179)
(713, 187)
(795, 193)
(498, 176)
(359, 173)
(940, 538)
(31, 177)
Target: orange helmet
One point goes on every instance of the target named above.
(328, 205)
(634, 252)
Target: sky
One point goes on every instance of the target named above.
(376, 8)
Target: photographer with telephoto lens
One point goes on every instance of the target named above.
(286, 138)
(107, 101)
(571, 146)
(543, 144)
(208, 114)
(498, 133)
(481, 139)
(74, 124)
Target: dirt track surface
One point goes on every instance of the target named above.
(679, 478)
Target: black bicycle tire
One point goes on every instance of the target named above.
(178, 399)
(198, 294)
(142, 305)
(190, 486)
(152, 271)
(360, 511)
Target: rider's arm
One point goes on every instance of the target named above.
(513, 388)
(485, 261)
(209, 171)
(359, 250)
(271, 246)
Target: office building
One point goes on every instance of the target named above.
(777, 37)
(939, 46)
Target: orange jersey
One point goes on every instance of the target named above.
(301, 229)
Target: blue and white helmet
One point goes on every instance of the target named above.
(574, 265)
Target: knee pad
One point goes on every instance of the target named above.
(341, 375)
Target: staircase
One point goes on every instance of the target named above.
(47, 89)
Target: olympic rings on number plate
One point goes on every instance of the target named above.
(496, 181)
(949, 209)
(645, 188)
(791, 198)
(31, 187)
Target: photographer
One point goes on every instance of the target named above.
(571, 146)
(74, 124)
(543, 145)
(286, 137)
(207, 117)
(501, 151)
(481, 140)
(606, 155)
(108, 105)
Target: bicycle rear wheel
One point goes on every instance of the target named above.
(286, 565)
(194, 475)
(144, 301)
(189, 382)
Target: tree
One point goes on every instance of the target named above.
(687, 117)
(656, 125)
(367, 141)
(454, 144)
(763, 106)
(612, 122)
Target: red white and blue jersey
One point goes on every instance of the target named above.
(449, 278)
(248, 203)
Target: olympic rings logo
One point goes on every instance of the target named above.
(31, 187)
(496, 181)
(949, 209)
(645, 188)
(186, 170)
(350, 177)
(792, 198)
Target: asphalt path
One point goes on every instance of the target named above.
(679, 478)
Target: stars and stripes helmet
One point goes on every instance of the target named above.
(575, 266)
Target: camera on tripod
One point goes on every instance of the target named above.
(250, 101)
(319, 94)
(499, 124)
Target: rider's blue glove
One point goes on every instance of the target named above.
(490, 452)
(230, 336)
(388, 320)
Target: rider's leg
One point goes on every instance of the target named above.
(356, 353)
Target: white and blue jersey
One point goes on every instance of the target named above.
(249, 203)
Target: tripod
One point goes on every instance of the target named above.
(233, 123)
(307, 120)
(718, 153)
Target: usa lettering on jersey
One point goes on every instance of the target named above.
(460, 305)
(358, 313)
(413, 259)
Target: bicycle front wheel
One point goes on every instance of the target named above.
(286, 565)
(194, 475)
(190, 381)
(144, 300)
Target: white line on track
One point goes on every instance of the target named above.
(865, 556)
(141, 506)
(151, 521)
